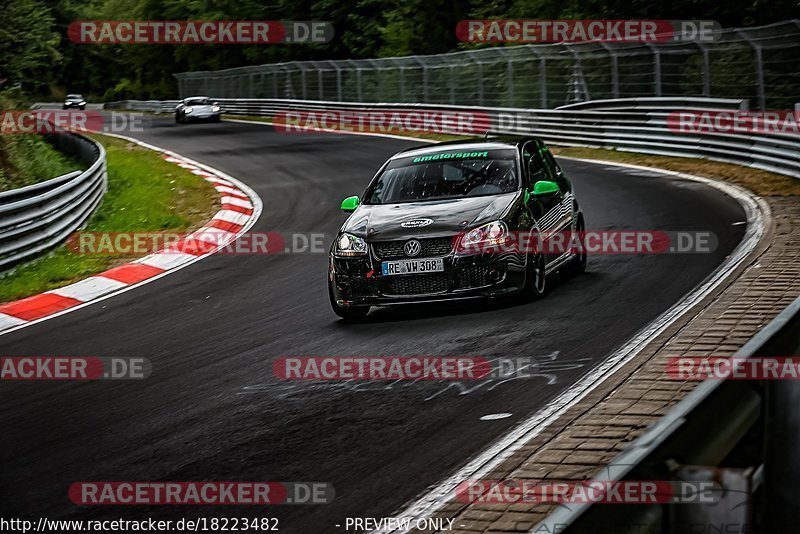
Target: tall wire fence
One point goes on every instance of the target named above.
(761, 64)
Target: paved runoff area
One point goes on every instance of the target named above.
(599, 427)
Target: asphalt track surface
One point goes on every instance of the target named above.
(212, 409)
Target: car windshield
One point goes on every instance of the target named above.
(74, 97)
(443, 175)
(197, 102)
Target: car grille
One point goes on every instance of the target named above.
(359, 285)
(472, 277)
(391, 250)
(415, 284)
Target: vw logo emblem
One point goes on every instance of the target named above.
(412, 248)
(416, 223)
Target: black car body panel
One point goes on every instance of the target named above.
(438, 225)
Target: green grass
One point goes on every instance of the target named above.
(145, 194)
(27, 159)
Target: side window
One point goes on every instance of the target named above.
(535, 168)
(556, 172)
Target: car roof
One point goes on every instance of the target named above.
(493, 143)
(74, 95)
(196, 98)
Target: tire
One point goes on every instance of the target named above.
(177, 119)
(535, 278)
(82, 108)
(349, 315)
(578, 264)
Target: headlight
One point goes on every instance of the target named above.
(493, 233)
(187, 110)
(82, 103)
(350, 245)
(215, 108)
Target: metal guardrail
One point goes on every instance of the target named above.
(632, 125)
(35, 218)
(703, 430)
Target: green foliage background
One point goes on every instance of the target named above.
(36, 53)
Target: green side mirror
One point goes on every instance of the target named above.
(544, 187)
(350, 204)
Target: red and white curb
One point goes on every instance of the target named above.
(240, 209)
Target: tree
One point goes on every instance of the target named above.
(28, 44)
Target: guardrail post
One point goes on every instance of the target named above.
(782, 465)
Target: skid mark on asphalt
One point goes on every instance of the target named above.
(526, 368)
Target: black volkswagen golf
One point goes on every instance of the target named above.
(455, 220)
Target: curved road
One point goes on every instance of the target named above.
(212, 410)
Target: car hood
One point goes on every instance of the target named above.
(431, 218)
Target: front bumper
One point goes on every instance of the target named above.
(203, 116)
(359, 282)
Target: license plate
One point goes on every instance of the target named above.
(429, 265)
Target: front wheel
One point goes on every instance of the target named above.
(577, 265)
(535, 278)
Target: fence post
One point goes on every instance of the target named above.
(614, 69)
(542, 77)
(452, 86)
(656, 69)
(338, 82)
(762, 98)
(510, 81)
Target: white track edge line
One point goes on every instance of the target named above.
(756, 211)
(257, 203)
